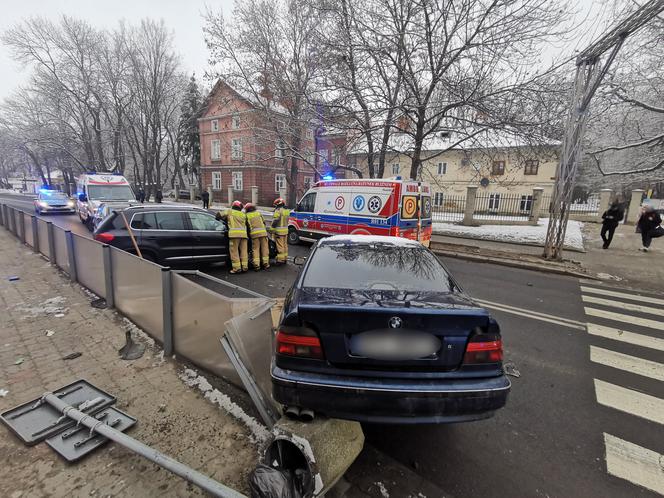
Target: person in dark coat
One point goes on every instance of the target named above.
(140, 196)
(649, 226)
(158, 196)
(205, 197)
(610, 220)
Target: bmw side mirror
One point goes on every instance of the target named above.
(299, 260)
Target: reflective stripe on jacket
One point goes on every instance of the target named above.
(256, 225)
(280, 221)
(237, 224)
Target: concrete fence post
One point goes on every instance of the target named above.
(536, 206)
(605, 196)
(2, 215)
(50, 232)
(177, 193)
(254, 195)
(108, 275)
(468, 214)
(35, 234)
(167, 310)
(634, 210)
(209, 189)
(230, 195)
(192, 193)
(69, 242)
(21, 226)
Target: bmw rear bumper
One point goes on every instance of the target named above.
(390, 400)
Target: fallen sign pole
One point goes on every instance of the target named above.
(210, 485)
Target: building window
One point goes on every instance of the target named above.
(310, 134)
(494, 202)
(322, 153)
(465, 162)
(215, 150)
(236, 148)
(438, 199)
(308, 180)
(235, 121)
(442, 169)
(498, 168)
(335, 156)
(279, 183)
(216, 180)
(214, 125)
(526, 203)
(237, 180)
(531, 167)
(395, 169)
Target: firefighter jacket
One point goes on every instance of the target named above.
(237, 223)
(280, 221)
(256, 225)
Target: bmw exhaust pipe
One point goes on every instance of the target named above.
(292, 412)
(306, 415)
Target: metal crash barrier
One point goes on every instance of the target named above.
(220, 327)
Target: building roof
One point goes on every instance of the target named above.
(255, 100)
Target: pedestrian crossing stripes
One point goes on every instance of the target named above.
(634, 463)
(618, 315)
(642, 340)
(632, 364)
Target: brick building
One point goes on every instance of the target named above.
(244, 144)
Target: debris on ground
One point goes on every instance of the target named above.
(49, 333)
(3, 393)
(52, 306)
(382, 489)
(99, 303)
(510, 369)
(269, 482)
(131, 350)
(72, 356)
(13, 279)
(18, 361)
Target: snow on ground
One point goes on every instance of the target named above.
(517, 234)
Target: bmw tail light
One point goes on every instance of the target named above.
(299, 342)
(484, 348)
(105, 237)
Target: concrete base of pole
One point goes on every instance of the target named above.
(327, 446)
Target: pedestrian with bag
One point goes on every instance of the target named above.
(611, 218)
(260, 250)
(205, 197)
(649, 225)
(237, 236)
(280, 230)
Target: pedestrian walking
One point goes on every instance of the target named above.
(260, 250)
(280, 230)
(611, 218)
(649, 225)
(140, 196)
(205, 197)
(158, 196)
(237, 236)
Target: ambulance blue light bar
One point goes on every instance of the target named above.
(328, 177)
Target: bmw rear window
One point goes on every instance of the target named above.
(376, 266)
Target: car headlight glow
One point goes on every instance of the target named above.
(43, 204)
(70, 204)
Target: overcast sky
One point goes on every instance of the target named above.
(184, 18)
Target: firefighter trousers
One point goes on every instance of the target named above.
(282, 248)
(239, 255)
(260, 252)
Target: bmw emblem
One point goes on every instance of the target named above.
(394, 322)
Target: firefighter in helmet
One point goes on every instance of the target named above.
(260, 250)
(237, 236)
(280, 230)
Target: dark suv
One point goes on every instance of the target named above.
(167, 234)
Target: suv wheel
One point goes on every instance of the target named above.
(293, 236)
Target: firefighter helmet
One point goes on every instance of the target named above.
(279, 202)
(237, 204)
(249, 207)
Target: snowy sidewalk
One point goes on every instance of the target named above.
(44, 318)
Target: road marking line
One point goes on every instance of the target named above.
(628, 363)
(624, 295)
(629, 401)
(619, 317)
(533, 314)
(626, 306)
(634, 463)
(628, 337)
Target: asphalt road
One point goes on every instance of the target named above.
(589, 395)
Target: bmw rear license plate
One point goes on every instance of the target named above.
(394, 346)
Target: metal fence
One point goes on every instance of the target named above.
(503, 207)
(448, 208)
(579, 208)
(183, 315)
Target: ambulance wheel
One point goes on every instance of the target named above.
(293, 236)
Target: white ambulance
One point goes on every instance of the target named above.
(390, 206)
(94, 189)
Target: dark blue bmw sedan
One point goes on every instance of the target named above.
(375, 329)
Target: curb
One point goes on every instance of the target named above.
(530, 244)
(514, 263)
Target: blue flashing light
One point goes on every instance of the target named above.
(328, 177)
(398, 177)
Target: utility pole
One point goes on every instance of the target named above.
(590, 72)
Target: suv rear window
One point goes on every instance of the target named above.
(169, 220)
(143, 221)
(376, 266)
